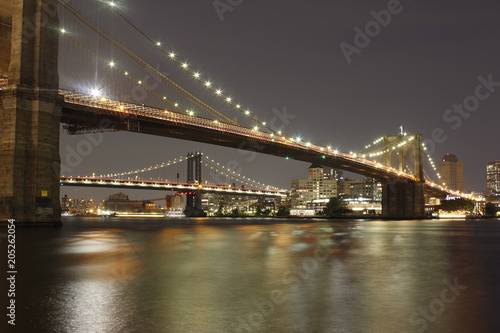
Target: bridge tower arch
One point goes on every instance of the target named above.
(403, 198)
(29, 112)
(413, 145)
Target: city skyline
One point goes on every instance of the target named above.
(406, 76)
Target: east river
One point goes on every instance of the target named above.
(257, 275)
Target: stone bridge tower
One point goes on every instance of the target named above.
(29, 112)
(402, 198)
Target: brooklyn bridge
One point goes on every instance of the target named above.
(33, 106)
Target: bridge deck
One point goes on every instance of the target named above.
(84, 112)
(167, 186)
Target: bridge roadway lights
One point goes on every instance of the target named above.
(403, 199)
(29, 113)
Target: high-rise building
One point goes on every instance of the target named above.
(319, 187)
(452, 172)
(367, 188)
(493, 177)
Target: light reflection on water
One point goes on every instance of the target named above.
(110, 275)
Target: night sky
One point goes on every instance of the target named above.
(286, 55)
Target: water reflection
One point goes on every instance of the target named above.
(121, 276)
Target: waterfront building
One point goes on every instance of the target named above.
(344, 186)
(493, 177)
(120, 202)
(318, 188)
(217, 203)
(78, 206)
(369, 189)
(174, 203)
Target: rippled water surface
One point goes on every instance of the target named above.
(258, 275)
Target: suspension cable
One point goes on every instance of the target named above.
(146, 66)
(184, 67)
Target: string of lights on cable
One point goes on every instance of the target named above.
(148, 68)
(196, 75)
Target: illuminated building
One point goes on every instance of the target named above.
(319, 187)
(174, 203)
(77, 206)
(367, 188)
(493, 177)
(344, 186)
(362, 196)
(452, 172)
(213, 203)
(121, 203)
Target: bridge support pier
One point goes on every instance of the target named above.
(193, 205)
(403, 199)
(29, 113)
(193, 201)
